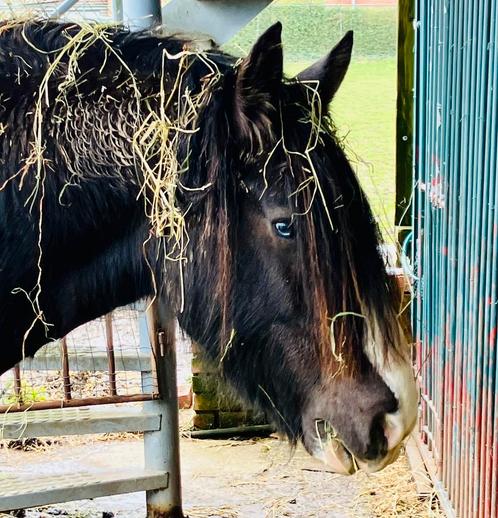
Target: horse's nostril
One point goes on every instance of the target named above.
(377, 446)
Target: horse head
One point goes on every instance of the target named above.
(278, 274)
(284, 264)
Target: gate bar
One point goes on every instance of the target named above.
(66, 379)
(61, 403)
(110, 355)
(162, 447)
(17, 384)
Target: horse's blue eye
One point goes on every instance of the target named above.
(284, 229)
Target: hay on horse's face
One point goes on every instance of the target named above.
(132, 166)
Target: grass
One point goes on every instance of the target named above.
(310, 30)
(364, 112)
(364, 109)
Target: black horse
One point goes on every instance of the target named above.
(131, 166)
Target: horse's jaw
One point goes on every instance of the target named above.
(340, 460)
(360, 423)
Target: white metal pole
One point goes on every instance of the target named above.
(141, 15)
(162, 447)
(62, 8)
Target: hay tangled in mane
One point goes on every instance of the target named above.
(150, 138)
(159, 118)
(156, 122)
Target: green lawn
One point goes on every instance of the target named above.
(365, 107)
(364, 113)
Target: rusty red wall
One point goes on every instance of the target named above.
(375, 3)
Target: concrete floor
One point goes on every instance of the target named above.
(258, 478)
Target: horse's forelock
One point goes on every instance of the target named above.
(345, 284)
(342, 276)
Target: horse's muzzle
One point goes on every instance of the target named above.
(356, 424)
(340, 460)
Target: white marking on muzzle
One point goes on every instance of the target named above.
(398, 375)
(329, 455)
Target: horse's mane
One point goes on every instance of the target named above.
(80, 98)
(29, 48)
(341, 270)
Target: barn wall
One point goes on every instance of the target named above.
(374, 3)
(216, 404)
(456, 245)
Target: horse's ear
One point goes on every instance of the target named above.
(259, 79)
(330, 70)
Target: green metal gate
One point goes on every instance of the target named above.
(455, 246)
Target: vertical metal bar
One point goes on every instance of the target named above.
(162, 447)
(427, 373)
(141, 15)
(63, 8)
(455, 243)
(147, 376)
(432, 215)
(427, 285)
(117, 11)
(489, 451)
(416, 216)
(66, 380)
(18, 385)
(111, 359)
(480, 253)
(492, 329)
(449, 247)
(463, 262)
(469, 329)
(438, 165)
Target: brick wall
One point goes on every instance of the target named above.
(375, 3)
(215, 404)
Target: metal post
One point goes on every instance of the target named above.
(404, 117)
(65, 370)
(141, 15)
(18, 385)
(162, 448)
(63, 8)
(111, 359)
(117, 11)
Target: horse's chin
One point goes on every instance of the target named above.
(336, 457)
(340, 460)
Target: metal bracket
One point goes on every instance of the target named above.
(217, 20)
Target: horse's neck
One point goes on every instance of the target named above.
(89, 257)
(87, 260)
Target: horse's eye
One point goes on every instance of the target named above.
(284, 228)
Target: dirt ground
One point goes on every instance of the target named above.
(258, 477)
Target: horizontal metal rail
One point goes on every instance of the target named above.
(100, 400)
(43, 490)
(78, 421)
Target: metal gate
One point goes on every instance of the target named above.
(117, 367)
(456, 245)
